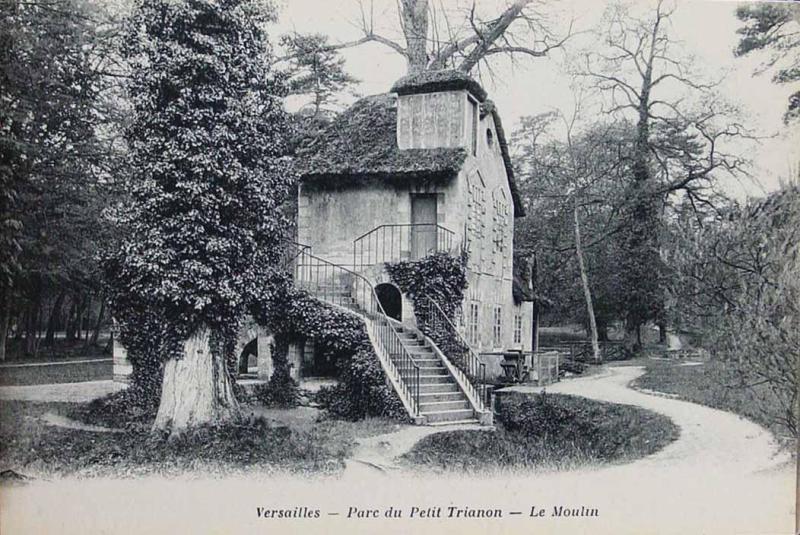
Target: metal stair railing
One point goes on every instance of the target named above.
(467, 363)
(392, 243)
(340, 286)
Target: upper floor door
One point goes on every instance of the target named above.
(424, 220)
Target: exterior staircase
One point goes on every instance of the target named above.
(441, 401)
(432, 390)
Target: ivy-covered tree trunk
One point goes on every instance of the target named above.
(196, 389)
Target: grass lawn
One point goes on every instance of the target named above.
(550, 432)
(252, 446)
(713, 384)
(60, 363)
(61, 372)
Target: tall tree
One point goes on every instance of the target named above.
(572, 185)
(460, 36)
(315, 71)
(208, 139)
(774, 27)
(680, 143)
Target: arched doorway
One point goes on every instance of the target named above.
(248, 358)
(390, 300)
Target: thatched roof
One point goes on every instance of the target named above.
(432, 81)
(362, 142)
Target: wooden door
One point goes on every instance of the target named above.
(423, 219)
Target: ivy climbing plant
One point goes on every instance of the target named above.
(442, 278)
(294, 317)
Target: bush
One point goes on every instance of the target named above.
(119, 409)
(362, 391)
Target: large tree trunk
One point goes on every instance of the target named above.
(587, 294)
(662, 333)
(32, 326)
(415, 27)
(196, 389)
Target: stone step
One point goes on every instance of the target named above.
(435, 397)
(441, 387)
(447, 416)
(428, 362)
(470, 421)
(436, 406)
(432, 370)
(434, 378)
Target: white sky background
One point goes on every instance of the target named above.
(707, 28)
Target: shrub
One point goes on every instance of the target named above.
(362, 391)
(119, 409)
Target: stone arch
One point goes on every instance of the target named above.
(391, 299)
(247, 343)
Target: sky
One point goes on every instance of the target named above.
(706, 29)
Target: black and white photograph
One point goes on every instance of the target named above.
(399, 266)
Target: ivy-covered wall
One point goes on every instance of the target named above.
(294, 316)
(442, 278)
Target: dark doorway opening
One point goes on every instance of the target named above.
(249, 356)
(390, 300)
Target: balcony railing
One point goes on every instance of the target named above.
(393, 243)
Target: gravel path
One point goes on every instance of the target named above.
(711, 440)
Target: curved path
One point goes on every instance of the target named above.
(724, 475)
(710, 440)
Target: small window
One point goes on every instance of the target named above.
(497, 327)
(517, 328)
(489, 138)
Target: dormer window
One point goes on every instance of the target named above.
(472, 107)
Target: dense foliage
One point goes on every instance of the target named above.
(439, 276)
(739, 286)
(338, 336)
(442, 278)
(207, 146)
(53, 164)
